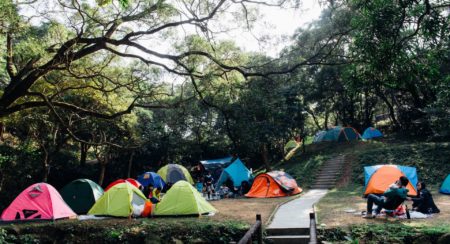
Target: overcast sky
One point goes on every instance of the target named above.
(280, 25)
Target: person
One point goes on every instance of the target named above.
(391, 199)
(209, 184)
(150, 191)
(424, 201)
(155, 196)
(199, 185)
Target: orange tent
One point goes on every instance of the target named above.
(384, 176)
(273, 184)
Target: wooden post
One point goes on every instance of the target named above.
(312, 228)
(259, 234)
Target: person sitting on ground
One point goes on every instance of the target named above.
(424, 201)
(391, 199)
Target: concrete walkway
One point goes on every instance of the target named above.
(295, 214)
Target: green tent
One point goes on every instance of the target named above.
(183, 199)
(81, 194)
(121, 200)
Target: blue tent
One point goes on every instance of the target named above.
(337, 134)
(236, 172)
(409, 172)
(370, 133)
(445, 188)
(216, 166)
(151, 178)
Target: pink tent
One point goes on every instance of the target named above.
(38, 201)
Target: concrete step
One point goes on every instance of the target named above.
(326, 176)
(327, 181)
(287, 231)
(322, 186)
(288, 239)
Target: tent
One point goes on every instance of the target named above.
(236, 172)
(378, 178)
(216, 166)
(337, 134)
(445, 188)
(151, 178)
(291, 145)
(273, 184)
(133, 182)
(40, 201)
(371, 133)
(172, 173)
(81, 195)
(183, 199)
(318, 137)
(121, 200)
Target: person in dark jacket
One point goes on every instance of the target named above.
(424, 201)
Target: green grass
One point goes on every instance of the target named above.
(387, 233)
(157, 230)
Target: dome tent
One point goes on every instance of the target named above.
(81, 195)
(378, 178)
(371, 133)
(445, 188)
(273, 184)
(236, 172)
(39, 201)
(151, 178)
(337, 134)
(183, 199)
(133, 182)
(173, 173)
(121, 200)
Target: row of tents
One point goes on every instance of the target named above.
(344, 134)
(123, 198)
(41, 201)
(377, 178)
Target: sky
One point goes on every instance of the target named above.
(278, 24)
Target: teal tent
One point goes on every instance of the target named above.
(371, 133)
(236, 172)
(81, 195)
(445, 188)
(337, 134)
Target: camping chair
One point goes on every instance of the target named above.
(393, 204)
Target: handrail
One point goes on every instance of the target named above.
(312, 228)
(256, 229)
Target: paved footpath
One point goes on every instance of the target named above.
(295, 214)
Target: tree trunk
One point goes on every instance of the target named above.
(390, 108)
(83, 153)
(46, 166)
(264, 156)
(101, 178)
(130, 164)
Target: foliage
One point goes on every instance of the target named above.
(186, 230)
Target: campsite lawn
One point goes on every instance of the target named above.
(245, 209)
(332, 208)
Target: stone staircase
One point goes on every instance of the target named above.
(328, 174)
